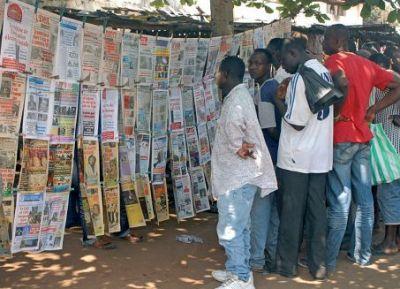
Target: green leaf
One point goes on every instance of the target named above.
(319, 18)
(366, 11)
(326, 17)
(382, 5)
(392, 17)
(347, 6)
(268, 9)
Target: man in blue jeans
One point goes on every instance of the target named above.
(240, 164)
(350, 177)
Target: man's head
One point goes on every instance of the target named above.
(230, 72)
(336, 39)
(393, 52)
(275, 46)
(260, 64)
(293, 54)
(381, 60)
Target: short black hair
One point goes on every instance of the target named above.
(295, 43)
(267, 53)
(390, 50)
(381, 59)
(276, 44)
(233, 66)
(341, 31)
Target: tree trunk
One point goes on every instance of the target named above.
(221, 17)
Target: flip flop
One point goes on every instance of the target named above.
(134, 239)
(104, 245)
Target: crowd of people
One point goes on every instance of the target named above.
(283, 174)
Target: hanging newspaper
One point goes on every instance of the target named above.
(200, 193)
(109, 152)
(34, 165)
(211, 130)
(91, 162)
(217, 99)
(8, 159)
(112, 201)
(213, 50)
(64, 113)
(28, 217)
(44, 43)
(205, 154)
(8, 208)
(183, 198)
(2, 8)
(95, 206)
(192, 147)
(160, 196)
(130, 59)
(236, 42)
(189, 61)
(188, 107)
(89, 112)
(179, 154)
(17, 35)
(92, 53)
(258, 38)
(142, 154)
(246, 48)
(198, 94)
(86, 212)
(60, 167)
(176, 61)
(132, 206)
(202, 52)
(52, 228)
(127, 160)
(109, 114)
(128, 99)
(268, 34)
(38, 114)
(175, 109)
(160, 112)
(111, 57)
(209, 100)
(144, 101)
(224, 48)
(146, 61)
(159, 159)
(207, 174)
(145, 198)
(12, 95)
(161, 62)
(5, 244)
(68, 55)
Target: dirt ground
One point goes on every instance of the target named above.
(163, 263)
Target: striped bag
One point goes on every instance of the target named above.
(385, 161)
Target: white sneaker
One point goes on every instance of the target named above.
(221, 275)
(235, 283)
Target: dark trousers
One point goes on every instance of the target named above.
(301, 205)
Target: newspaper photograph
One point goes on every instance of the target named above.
(236, 43)
(38, 114)
(198, 94)
(35, 158)
(109, 153)
(160, 112)
(246, 48)
(92, 53)
(111, 57)
(205, 154)
(213, 51)
(64, 112)
(109, 114)
(200, 193)
(91, 162)
(192, 143)
(161, 63)
(28, 217)
(201, 58)
(189, 61)
(95, 209)
(61, 157)
(189, 117)
(146, 61)
(112, 201)
(209, 100)
(211, 130)
(44, 43)
(128, 98)
(5, 234)
(127, 160)
(52, 228)
(176, 61)
(183, 197)
(145, 198)
(68, 55)
(130, 59)
(12, 96)
(159, 154)
(144, 100)
(258, 38)
(89, 112)
(132, 206)
(16, 36)
(142, 154)
(179, 154)
(160, 196)
(8, 159)
(175, 109)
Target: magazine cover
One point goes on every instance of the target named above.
(160, 196)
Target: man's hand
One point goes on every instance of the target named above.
(246, 151)
(282, 88)
(371, 114)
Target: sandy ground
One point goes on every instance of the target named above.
(163, 263)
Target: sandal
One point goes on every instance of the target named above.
(106, 245)
(133, 239)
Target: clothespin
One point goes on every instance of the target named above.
(36, 5)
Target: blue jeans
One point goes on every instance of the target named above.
(350, 178)
(264, 229)
(233, 229)
(389, 202)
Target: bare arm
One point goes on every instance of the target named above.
(340, 81)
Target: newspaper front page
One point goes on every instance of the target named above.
(146, 59)
(60, 167)
(189, 61)
(111, 57)
(161, 202)
(161, 63)
(110, 165)
(92, 53)
(183, 197)
(89, 111)
(130, 59)
(200, 192)
(112, 201)
(143, 154)
(109, 114)
(159, 159)
(175, 109)
(176, 61)
(144, 101)
(160, 112)
(145, 197)
(132, 206)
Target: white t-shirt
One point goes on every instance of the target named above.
(311, 149)
(281, 74)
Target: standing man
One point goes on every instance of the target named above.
(240, 164)
(275, 46)
(304, 159)
(350, 178)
